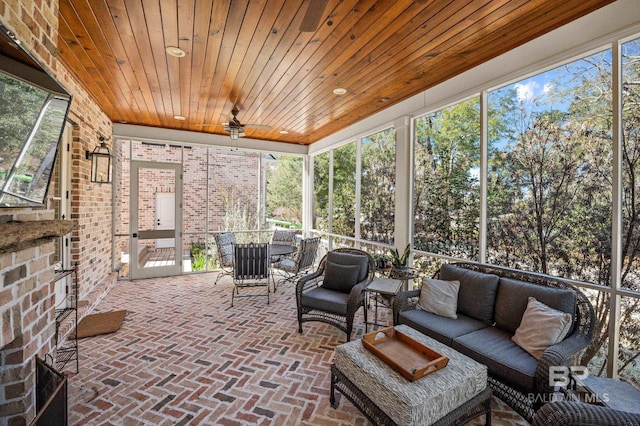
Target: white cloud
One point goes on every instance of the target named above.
(549, 88)
(527, 91)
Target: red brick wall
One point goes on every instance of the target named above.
(26, 296)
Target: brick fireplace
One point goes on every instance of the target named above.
(27, 315)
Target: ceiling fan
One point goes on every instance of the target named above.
(236, 129)
(313, 15)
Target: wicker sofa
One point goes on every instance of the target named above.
(491, 302)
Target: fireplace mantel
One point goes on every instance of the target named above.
(22, 235)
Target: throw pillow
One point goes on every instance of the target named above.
(541, 327)
(339, 277)
(439, 297)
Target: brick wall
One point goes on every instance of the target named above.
(26, 294)
(27, 311)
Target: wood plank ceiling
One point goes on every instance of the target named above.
(252, 55)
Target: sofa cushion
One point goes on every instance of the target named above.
(326, 300)
(340, 277)
(439, 297)
(350, 259)
(477, 294)
(504, 359)
(541, 327)
(442, 329)
(513, 297)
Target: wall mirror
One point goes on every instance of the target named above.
(33, 110)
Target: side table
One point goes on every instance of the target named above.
(381, 288)
(403, 274)
(613, 393)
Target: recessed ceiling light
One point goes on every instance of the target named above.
(179, 117)
(339, 91)
(385, 99)
(284, 132)
(175, 51)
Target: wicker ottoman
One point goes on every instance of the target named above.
(454, 394)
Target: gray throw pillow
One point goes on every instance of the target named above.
(339, 277)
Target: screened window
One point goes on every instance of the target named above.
(377, 186)
(446, 191)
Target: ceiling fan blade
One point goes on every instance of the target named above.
(257, 126)
(313, 15)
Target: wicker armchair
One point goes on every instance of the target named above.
(224, 245)
(575, 413)
(317, 303)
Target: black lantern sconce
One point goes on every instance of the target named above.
(100, 162)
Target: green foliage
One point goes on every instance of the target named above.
(377, 186)
(446, 195)
(284, 189)
(400, 260)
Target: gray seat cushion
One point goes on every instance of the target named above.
(442, 329)
(326, 300)
(504, 359)
(477, 294)
(350, 259)
(513, 296)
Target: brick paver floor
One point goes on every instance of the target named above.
(185, 357)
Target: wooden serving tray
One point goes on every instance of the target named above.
(401, 352)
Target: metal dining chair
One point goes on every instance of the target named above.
(283, 237)
(224, 244)
(304, 259)
(251, 268)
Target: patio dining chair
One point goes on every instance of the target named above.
(304, 259)
(283, 237)
(251, 268)
(224, 244)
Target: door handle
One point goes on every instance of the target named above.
(134, 235)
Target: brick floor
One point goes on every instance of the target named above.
(184, 357)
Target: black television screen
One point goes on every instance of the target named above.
(33, 110)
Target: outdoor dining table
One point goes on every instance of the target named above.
(281, 249)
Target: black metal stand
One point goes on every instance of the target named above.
(69, 352)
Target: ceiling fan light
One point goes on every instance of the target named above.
(233, 131)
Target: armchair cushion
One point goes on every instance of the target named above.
(350, 259)
(326, 300)
(339, 277)
(541, 327)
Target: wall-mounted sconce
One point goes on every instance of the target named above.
(100, 162)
